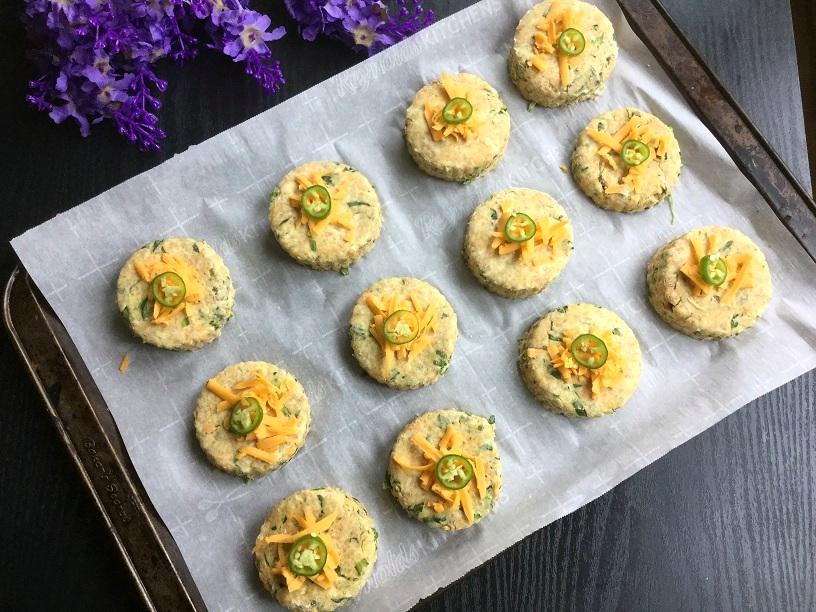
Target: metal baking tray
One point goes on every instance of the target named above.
(92, 438)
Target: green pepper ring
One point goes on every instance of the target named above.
(309, 207)
(587, 358)
(713, 271)
(159, 295)
(572, 37)
(245, 409)
(307, 542)
(447, 482)
(636, 147)
(390, 337)
(526, 236)
(451, 112)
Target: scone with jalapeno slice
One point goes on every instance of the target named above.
(518, 242)
(316, 549)
(445, 468)
(626, 160)
(457, 128)
(175, 293)
(711, 283)
(403, 332)
(251, 418)
(580, 360)
(563, 52)
(325, 215)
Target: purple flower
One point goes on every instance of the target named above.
(96, 56)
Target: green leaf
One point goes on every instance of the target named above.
(442, 361)
(312, 244)
(415, 509)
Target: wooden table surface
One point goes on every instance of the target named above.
(725, 522)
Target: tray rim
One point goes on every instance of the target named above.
(19, 274)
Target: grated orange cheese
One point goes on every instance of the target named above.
(545, 40)
(739, 269)
(158, 263)
(449, 443)
(441, 129)
(426, 318)
(125, 363)
(276, 429)
(549, 233)
(338, 216)
(607, 376)
(326, 578)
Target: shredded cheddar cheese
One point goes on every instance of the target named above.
(439, 128)
(545, 40)
(339, 216)
(382, 308)
(150, 267)
(549, 233)
(125, 363)
(309, 526)
(276, 429)
(450, 443)
(739, 269)
(607, 376)
(636, 128)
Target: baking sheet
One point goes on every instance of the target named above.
(552, 465)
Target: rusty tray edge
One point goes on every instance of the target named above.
(147, 548)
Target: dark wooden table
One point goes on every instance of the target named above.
(724, 522)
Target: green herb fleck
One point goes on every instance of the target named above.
(734, 321)
(555, 337)
(491, 419)
(313, 244)
(156, 245)
(275, 193)
(126, 314)
(494, 214)
(579, 408)
(562, 310)
(145, 309)
(284, 221)
(195, 247)
(442, 361)
(616, 331)
(344, 270)
(185, 321)
(502, 110)
(530, 106)
(360, 566)
(327, 178)
(415, 509)
(354, 203)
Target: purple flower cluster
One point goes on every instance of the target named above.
(96, 57)
(366, 25)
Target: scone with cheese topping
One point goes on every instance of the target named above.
(175, 293)
(325, 215)
(563, 52)
(626, 160)
(403, 332)
(316, 550)
(518, 242)
(580, 360)
(445, 469)
(251, 418)
(457, 128)
(710, 283)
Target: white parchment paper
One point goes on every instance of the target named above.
(298, 318)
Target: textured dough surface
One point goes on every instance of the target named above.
(707, 317)
(507, 275)
(329, 250)
(589, 71)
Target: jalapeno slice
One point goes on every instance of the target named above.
(168, 289)
(519, 228)
(316, 202)
(572, 42)
(246, 415)
(307, 556)
(458, 110)
(589, 351)
(713, 270)
(634, 152)
(400, 327)
(453, 471)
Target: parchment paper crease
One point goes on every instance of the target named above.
(298, 318)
